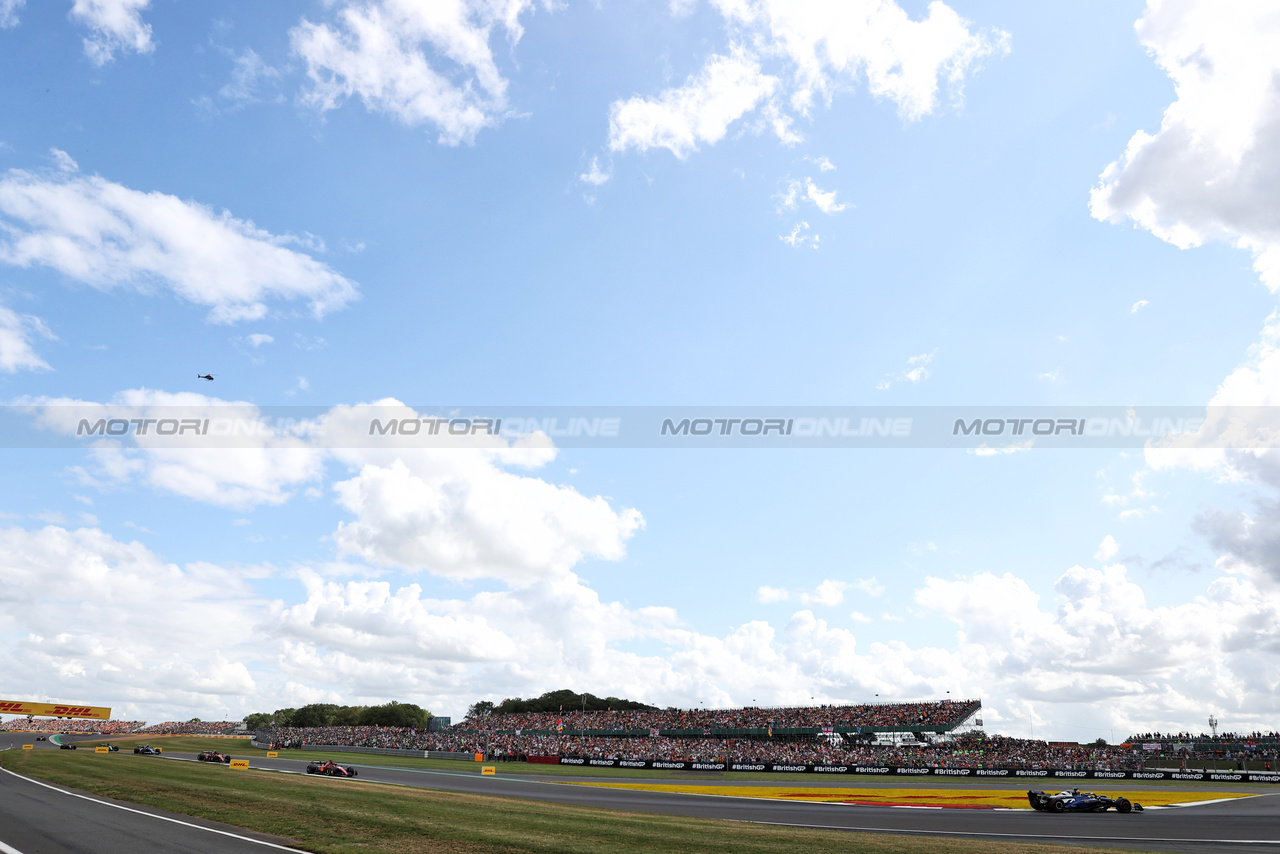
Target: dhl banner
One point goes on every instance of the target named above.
(18, 707)
(239, 764)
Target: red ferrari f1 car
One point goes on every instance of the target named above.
(331, 769)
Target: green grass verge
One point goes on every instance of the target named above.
(341, 816)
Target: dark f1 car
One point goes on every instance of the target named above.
(331, 769)
(64, 745)
(1074, 800)
(212, 756)
(111, 748)
(147, 750)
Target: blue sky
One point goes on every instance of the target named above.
(740, 202)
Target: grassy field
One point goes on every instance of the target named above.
(340, 816)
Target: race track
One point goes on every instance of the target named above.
(1245, 825)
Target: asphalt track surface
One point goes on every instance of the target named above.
(1241, 826)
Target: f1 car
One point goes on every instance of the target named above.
(63, 745)
(1074, 800)
(147, 750)
(212, 756)
(331, 769)
(111, 748)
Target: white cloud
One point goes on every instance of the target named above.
(1209, 172)
(250, 79)
(871, 586)
(107, 235)
(767, 595)
(828, 45)
(595, 176)
(916, 372)
(16, 331)
(63, 160)
(829, 594)
(1132, 663)
(1139, 306)
(700, 111)
(69, 612)
(9, 12)
(462, 515)
(818, 48)
(806, 190)
(1107, 549)
(117, 26)
(257, 339)
(798, 238)
(262, 465)
(424, 63)
(823, 164)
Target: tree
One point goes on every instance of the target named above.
(480, 709)
(395, 714)
(315, 714)
(258, 720)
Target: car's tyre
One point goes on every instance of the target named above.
(351, 771)
(1123, 805)
(1057, 806)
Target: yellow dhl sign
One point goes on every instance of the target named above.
(18, 707)
(239, 764)
(102, 750)
(271, 754)
(28, 747)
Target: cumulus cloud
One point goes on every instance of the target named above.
(700, 111)
(423, 63)
(68, 611)
(1144, 664)
(1209, 172)
(767, 595)
(829, 593)
(1139, 306)
(259, 465)
(461, 515)
(107, 235)
(916, 372)
(117, 25)
(16, 332)
(817, 48)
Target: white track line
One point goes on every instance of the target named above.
(7, 850)
(1031, 834)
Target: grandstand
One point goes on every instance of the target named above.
(124, 727)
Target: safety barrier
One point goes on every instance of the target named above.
(377, 751)
(893, 770)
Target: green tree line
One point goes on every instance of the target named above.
(555, 701)
(330, 714)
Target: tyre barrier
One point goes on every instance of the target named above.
(893, 770)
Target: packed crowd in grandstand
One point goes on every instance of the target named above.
(935, 714)
(76, 726)
(194, 728)
(123, 727)
(962, 752)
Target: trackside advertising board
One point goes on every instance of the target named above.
(54, 710)
(895, 771)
